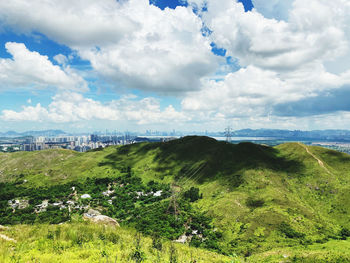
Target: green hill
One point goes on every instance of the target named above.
(246, 199)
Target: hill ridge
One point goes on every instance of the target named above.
(258, 197)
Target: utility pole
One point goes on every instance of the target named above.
(173, 202)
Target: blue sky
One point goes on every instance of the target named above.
(174, 64)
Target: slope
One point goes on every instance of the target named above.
(258, 197)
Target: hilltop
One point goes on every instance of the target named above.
(252, 198)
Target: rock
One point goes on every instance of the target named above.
(92, 213)
(106, 220)
(85, 196)
(96, 217)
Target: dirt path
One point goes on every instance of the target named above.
(315, 157)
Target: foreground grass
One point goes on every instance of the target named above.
(335, 251)
(85, 242)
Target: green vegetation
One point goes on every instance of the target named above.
(249, 200)
(82, 242)
(144, 206)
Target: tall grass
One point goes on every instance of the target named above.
(85, 242)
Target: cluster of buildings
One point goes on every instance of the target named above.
(77, 143)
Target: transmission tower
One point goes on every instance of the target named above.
(173, 202)
(228, 134)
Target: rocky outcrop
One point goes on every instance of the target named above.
(92, 213)
(96, 217)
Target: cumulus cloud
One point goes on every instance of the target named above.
(277, 9)
(312, 32)
(243, 93)
(292, 54)
(131, 43)
(167, 55)
(283, 59)
(29, 68)
(253, 91)
(324, 103)
(74, 107)
(74, 23)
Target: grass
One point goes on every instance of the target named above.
(287, 182)
(335, 251)
(85, 242)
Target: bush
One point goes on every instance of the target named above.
(255, 203)
(286, 229)
(344, 233)
(192, 194)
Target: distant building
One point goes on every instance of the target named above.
(94, 138)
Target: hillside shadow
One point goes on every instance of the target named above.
(204, 156)
(128, 155)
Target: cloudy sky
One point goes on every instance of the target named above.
(174, 64)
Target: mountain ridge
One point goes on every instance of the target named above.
(259, 197)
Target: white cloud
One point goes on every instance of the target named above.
(255, 92)
(73, 107)
(27, 68)
(277, 9)
(313, 32)
(29, 113)
(131, 43)
(244, 93)
(74, 23)
(289, 50)
(284, 60)
(61, 59)
(167, 54)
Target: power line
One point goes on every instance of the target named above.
(176, 195)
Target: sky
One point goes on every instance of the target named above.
(189, 65)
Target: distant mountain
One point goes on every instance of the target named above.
(296, 134)
(32, 133)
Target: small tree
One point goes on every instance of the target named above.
(192, 194)
(138, 255)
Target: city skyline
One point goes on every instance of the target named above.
(175, 64)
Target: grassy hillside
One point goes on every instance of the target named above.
(259, 198)
(83, 242)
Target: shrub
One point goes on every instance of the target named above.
(286, 229)
(192, 194)
(344, 233)
(255, 202)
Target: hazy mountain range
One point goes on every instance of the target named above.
(339, 135)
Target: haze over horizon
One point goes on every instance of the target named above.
(174, 64)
